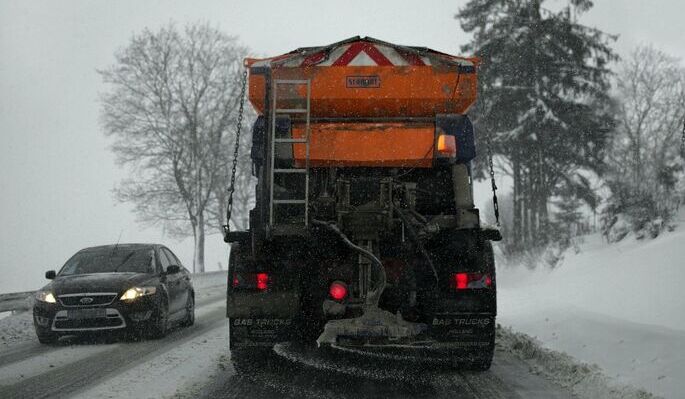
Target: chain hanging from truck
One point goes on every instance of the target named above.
(236, 148)
(495, 204)
(682, 141)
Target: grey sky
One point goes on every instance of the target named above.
(56, 172)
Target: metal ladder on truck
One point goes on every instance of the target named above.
(300, 173)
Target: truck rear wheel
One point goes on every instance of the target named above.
(483, 360)
(250, 360)
(482, 364)
(478, 359)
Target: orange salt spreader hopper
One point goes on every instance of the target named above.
(372, 103)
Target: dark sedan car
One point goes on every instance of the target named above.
(139, 288)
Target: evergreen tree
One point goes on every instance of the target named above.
(543, 99)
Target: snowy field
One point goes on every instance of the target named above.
(619, 306)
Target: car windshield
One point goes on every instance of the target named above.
(110, 260)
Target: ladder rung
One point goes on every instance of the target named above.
(291, 202)
(290, 170)
(291, 111)
(291, 82)
(290, 140)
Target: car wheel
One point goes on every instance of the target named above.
(160, 323)
(190, 311)
(47, 338)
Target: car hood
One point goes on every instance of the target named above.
(98, 282)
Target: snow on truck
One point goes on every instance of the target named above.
(364, 234)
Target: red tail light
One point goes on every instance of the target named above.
(462, 280)
(338, 290)
(465, 281)
(262, 281)
(251, 281)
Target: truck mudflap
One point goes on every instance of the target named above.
(465, 330)
(260, 331)
(261, 319)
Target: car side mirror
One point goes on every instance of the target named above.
(173, 269)
(50, 275)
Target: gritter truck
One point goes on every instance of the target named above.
(364, 232)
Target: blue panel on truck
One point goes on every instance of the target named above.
(461, 127)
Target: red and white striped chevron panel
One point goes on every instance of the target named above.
(361, 52)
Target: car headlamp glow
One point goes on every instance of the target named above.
(46, 296)
(137, 292)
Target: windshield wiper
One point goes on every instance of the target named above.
(123, 262)
(109, 259)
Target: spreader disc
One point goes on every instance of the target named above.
(353, 363)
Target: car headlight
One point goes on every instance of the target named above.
(46, 296)
(137, 292)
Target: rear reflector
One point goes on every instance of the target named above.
(338, 290)
(467, 281)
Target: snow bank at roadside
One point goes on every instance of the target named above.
(619, 306)
(16, 328)
(584, 380)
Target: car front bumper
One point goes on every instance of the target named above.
(117, 315)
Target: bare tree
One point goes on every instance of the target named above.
(651, 86)
(171, 107)
(644, 164)
(652, 91)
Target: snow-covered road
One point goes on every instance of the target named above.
(195, 362)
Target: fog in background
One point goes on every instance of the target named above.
(56, 171)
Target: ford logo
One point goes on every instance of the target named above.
(86, 300)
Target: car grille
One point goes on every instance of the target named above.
(88, 319)
(88, 324)
(87, 299)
